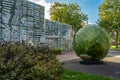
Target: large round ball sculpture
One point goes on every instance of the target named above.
(91, 43)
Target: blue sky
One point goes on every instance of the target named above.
(89, 7)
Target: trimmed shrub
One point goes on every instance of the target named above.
(43, 49)
(85, 57)
(92, 41)
(21, 63)
(55, 51)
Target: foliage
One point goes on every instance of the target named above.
(46, 50)
(86, 57)
(109, 15)
(55, 51)
(68, 13)
(43, 49)
(71, 75)
(93, 41)
(21, 63)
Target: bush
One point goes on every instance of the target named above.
(85, 57)
(43, 49)
(55, 51)
(46, 50)
(93, 41)
(21, 63)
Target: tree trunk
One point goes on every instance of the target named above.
(117, 35)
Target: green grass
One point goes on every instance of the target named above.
(113, 47)
(71, 75)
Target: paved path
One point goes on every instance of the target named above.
(110, 69)
(114, 53)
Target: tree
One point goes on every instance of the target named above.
(68, 13)
(109, 15)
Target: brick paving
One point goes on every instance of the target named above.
(110, 69)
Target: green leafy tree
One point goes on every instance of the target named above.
(109, 15)
(68, 13)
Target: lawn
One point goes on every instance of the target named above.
(71, 75)
(113, 47)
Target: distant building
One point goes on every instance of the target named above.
(57, 34)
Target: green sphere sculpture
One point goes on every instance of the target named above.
(91, 43)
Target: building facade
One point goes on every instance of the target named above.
(21, 20)
(57, 35)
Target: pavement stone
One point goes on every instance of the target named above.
(110, 69)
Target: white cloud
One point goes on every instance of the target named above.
(90, 23)
(46, 5)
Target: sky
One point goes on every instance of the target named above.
(89, 7)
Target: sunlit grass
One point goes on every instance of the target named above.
(72, 75)
(113, 47)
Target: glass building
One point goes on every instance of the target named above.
(21, 20)
(57, 35)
